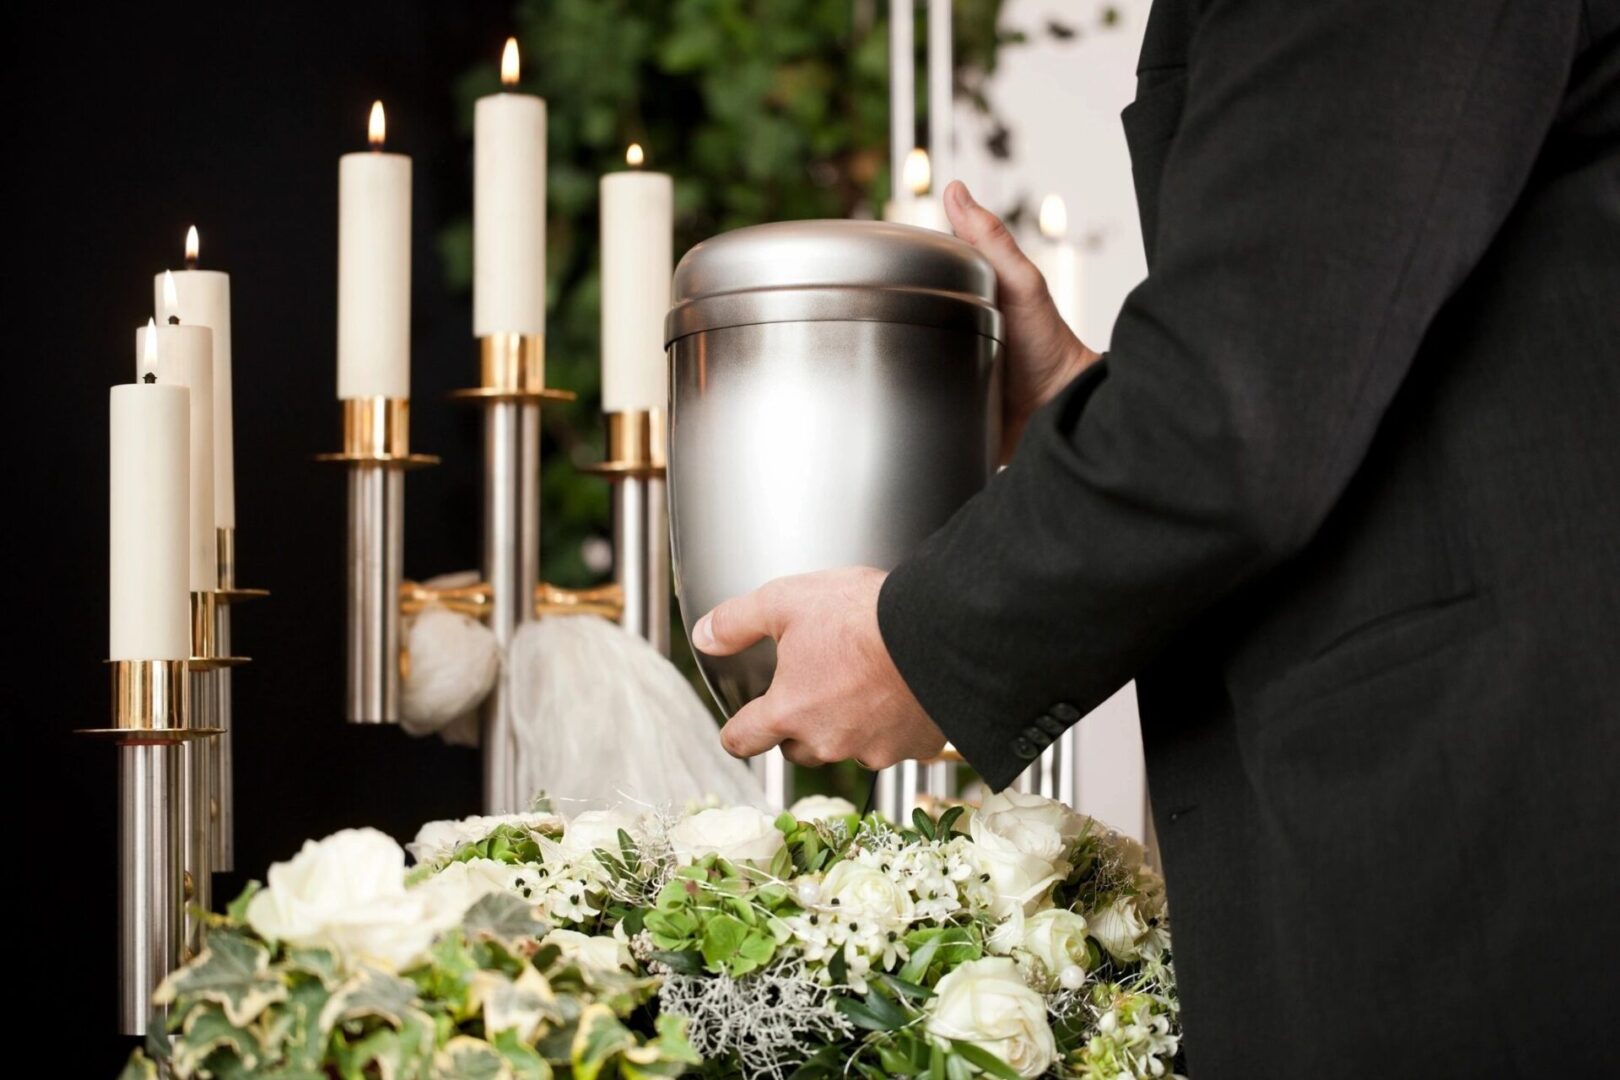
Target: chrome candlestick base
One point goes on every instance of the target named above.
(637, 447)
(512, 387)
(150, 726)
(376, 448)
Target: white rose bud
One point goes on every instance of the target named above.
(1035, 825)
(739, 834)
(864, 892)
(347, 894)
(598, 829)
(1118, 928)
(601, 952)
(1057, 938)
(986, 1003)
(821, 808)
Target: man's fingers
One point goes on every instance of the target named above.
(1018, 276)
(751, 732)
(736, 624)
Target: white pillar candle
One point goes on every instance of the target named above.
(374, 270)
(203, 298)
(917, 207)
(149, 615)
(638, 214)
(1059, 262)
(509, 209)
(180, 355)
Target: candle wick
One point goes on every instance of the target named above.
(174, 320)
(191, 262)
(149, 377)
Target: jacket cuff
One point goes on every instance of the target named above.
(905, 612)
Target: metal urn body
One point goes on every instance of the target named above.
(834, 398)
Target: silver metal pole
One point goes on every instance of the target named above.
(376, 567)
(898, 787)
(902, 93)
(1067, 751)
(940, 90)
(196, 804)
(150, 902)
(775, 776)
(512, 570)
(220, 767)
(641, 556)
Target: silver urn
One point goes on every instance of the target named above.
(834, 398)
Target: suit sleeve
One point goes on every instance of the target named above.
(1338, 170)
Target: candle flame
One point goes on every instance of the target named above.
(509, 63)
(1054, 217)
(149, 347)
(377, 127)
(917, 173)
(171, 297)
(193, 245)
(634, 156)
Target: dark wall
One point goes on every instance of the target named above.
(123, 127)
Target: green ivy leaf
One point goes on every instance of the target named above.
(524, 1060)
(599, 1038)
(233, 972)
(682, 963)
(138, 1067)
(208, 1030)
(504, 917)
(467, 1058)
(370, 993)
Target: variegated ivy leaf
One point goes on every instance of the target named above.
(317, 962)
(138, 1067)
(232, 971)
(370, 992)
(667, 1055)
(505, 917)
(294, 1033)
(599, 1038)
(524, 1060)
(519, 1005)
(207, 1030)
(467, 1058)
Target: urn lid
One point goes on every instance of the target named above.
(833, 271)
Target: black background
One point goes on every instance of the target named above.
(123, 126)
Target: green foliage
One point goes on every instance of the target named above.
(715, 917)
(485, 1002)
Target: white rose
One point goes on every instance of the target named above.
(738, 834)
(598, 829)
(1019, 881)
(1035, 825)
(1057, 938)
(986, 1003)
(460, 885)
(602, 952)
(1118, 928)
(864, 892)
(821, 808)
(439, 839)
(346, 893)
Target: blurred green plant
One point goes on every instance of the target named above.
(761, 110)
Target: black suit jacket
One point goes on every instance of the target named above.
(1345, 499)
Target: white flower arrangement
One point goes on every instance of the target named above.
(1033, 942)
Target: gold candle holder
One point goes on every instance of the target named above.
(512, 367)
(377, 432)
(475, 600)
(637, 462)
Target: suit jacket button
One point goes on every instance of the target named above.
(1051, 725)
(1039, 737)
(1024, 748)
(1065, 712)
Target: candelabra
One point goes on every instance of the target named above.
(376, 451)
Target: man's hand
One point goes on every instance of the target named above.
(1043, 354)
(836, 693)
